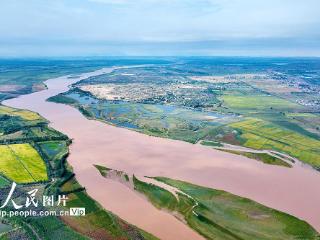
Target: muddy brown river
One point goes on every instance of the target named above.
(292, 190)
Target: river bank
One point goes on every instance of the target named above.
(292, 190)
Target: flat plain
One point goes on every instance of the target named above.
(198, 100)
(257, 105)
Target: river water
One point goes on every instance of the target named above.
(292, 190)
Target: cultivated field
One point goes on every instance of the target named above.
(22, 163)
(24, 114)
(260, 134)
(257, 102)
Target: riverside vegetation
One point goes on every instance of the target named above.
(217, 214)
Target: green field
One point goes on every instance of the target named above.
(311, 122)
(53, 228)
(257, 102)
(24, 114)
(4, 228)
(22, 163)
(220, 215)
(54, 151)
(3, 182)
(260, 134)
(21, 126)
(263, 157)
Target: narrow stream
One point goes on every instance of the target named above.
(293, 190)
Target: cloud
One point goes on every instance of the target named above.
(127, 22)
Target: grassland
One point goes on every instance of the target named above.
(308, 121)
(54, 151)
(211, 143)
(263, 157)
(51, 227)
(220, 215)
(260, 134)
(20, 126)
(3, 182)
(4, 228)
(22, 163)
(257, 103)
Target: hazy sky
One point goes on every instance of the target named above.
(159, 27)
